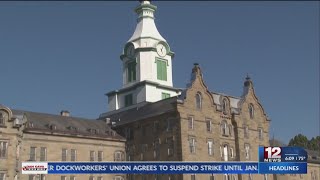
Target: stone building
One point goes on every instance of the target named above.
(150, 119)
(30, 136)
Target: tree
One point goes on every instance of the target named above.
(299, 141)
(302, 141)
(314, 144)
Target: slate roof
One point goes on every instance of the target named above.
(136, 113)
(68, 126)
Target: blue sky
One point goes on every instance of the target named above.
(65, 55)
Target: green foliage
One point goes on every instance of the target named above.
(302, 141)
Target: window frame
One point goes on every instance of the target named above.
(191, 122)
(43, 153)
(198, 100)
(33, 153)
(4, 149)
(131, 70)
(73, 155)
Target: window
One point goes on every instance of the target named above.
(91, 178)
(131, 71)
(224, 128)
(212, 177)
(171, 177)
(246, 131)
(3, 149)
(118, 156)
(190, 122)
(192, 144)
(169, 125)
(209, 125)
(92, 155)
(231, 152)
(170, 142)
(247, 151)
(165, 95)
(155, 126)
(64, 154)
(2, 176)
(198, 101)
(72, 178)
(118, 178)
(100, 178)
(63, 177)
(260, 133)
(251, 111)
(224, 106)
(210, 145)
(1, 118)
(128, 100)
(100, 155)
(43, 154)
(32, 153)
(225, 152)
(230, 130)
(73, 155)
(161, 70)
(156, 150)
(32, 177)
(193, 177)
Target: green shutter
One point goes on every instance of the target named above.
(161, 70)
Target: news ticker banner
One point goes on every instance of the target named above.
(272, 160)
(162, 168)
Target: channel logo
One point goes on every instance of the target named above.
(34, 168)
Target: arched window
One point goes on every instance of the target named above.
(198, 101)
(1, 118)
(251, 111)
(224, 106)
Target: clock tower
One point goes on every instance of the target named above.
(146, 64)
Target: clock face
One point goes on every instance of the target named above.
(130, 51)
(161, 49)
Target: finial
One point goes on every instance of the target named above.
(248, 77)
(144, 2)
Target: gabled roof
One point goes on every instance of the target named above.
(67, 126)
(136, 113)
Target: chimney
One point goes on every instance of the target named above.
(65, 113)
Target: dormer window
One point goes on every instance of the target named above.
(224, 106)
(251, 111)
(198, 101)
(1, 118)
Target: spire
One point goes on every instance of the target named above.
(196, 71)
(248, 82)
(146, 27)
(248, 85)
